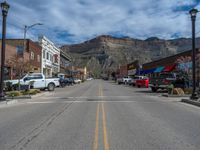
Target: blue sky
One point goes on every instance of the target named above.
(75, 21)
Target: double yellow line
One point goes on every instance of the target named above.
(105, 135)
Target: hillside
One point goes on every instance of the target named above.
(107, 53)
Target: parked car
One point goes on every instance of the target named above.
(133, 80)
(143, 82)
(38, 81)
(88, 79)
(119, 80)
(162, 81)
(126, 80)
(66, 82)
(77, 81)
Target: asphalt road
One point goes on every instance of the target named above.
(100, 115)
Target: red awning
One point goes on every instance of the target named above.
(169, 68)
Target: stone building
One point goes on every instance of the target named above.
(50, 64)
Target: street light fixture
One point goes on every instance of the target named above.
(24, 47)
(5, 7)
(25, 31)
(193, 12)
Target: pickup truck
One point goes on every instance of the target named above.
(40, 82)
(126, 80)
(162, 81)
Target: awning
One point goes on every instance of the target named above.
(147, 71)
(159, 69)
(169, 68)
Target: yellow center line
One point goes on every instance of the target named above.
(105, 135)
(95, 146)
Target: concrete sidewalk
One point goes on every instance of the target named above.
(14, 100)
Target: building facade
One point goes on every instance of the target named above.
(31, 55)
(180, 63)
(65, 63)
(10, 53)
(50, 64)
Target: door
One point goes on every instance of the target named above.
(39, 81)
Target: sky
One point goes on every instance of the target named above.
(75, 21)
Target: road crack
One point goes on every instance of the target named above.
(34, 133)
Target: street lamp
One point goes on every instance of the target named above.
(25, 31)
(4, 6)
(24, 48)
(193, 14)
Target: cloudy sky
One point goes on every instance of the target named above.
(74, 21)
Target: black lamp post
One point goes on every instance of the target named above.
(193, 14)
(4, 6)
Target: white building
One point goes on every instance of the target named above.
(50, 57)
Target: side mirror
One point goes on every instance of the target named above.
(25, 79)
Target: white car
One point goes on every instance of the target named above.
(77, 81)
(88, 79)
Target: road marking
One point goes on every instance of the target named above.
(110, 101)
(105, 135)
(95, 146)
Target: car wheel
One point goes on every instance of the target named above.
(51, 87)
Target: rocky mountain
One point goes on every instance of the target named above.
(107, 52)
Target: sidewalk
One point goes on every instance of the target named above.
(14, 100)
(184, 99)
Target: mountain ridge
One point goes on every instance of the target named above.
(108, 52)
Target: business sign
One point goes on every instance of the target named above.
(132, 67)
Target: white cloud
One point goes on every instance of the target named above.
(87, 18)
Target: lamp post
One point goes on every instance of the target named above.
(193, 13)
(4, 6)
(24, 49)
(25, 31)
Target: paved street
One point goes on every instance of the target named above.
(100, 115)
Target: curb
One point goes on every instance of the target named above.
(19, 97)
(11, 102)
(196, 103)
(40, 94)
(174, 96)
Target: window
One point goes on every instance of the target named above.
(38, 58)
(20, 50)
(44, 54)
(47, 56)
(32, 55)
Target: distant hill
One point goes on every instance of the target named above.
(107, 53)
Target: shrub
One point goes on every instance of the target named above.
(13, 93)
(188, 91)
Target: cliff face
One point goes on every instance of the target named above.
(108, 52)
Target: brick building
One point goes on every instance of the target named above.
(181, 62)
(122, 71)
(32, 53)
(10, 53)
